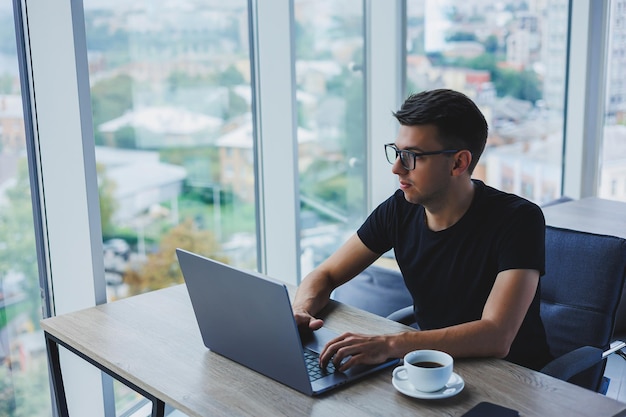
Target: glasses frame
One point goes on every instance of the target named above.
(415, 155)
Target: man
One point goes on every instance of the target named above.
(470, 255)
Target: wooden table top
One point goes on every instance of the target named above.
(153, 341)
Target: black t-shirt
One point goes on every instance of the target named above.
(450, 273)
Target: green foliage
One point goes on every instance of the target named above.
(6, 83)
(200, 162)
(331, 183)
(230, 77)
(110, 99)
(208, 195)
(523, 85)
(108, 203)
(161, 269)
(125, 138)
(461, 36)
(237, 105)
(491, 44)
(19, 253)
(114, 44)
(305, 41)
(25, 392)
(180, 80)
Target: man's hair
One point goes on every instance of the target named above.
(459, 122)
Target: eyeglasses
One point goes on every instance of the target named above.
(408, 158)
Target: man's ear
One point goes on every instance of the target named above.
(462, 160)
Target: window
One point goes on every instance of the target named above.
(613, 155)
(510, 58)
(23, 364)
(331, 134)
(170, 91)
(171, 99)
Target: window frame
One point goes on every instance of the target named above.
(61, 136)
(584, 95)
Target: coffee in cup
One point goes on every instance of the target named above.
(426, 370)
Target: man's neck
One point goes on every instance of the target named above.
(452, 207)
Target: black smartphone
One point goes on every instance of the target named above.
(487, 409)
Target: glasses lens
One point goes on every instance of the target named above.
(390, 151)
(407, 159)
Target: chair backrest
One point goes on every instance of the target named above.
(580, 293)
(377, 289)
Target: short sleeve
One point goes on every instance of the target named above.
(522, 243)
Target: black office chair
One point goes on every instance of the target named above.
(377, 289)
(580, 294)
(581, 290)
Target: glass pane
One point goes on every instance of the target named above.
(331, 124)
(24, 389)
(171, 99)
(510, 58)
(613, 173)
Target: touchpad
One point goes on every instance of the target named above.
(317, 340)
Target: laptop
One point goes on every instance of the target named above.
(247, 317)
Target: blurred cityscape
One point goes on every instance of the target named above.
(171, 98)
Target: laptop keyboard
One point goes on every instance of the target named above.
(312, 360)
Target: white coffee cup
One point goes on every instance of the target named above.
(426, 370)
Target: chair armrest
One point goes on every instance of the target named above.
(404, 315)
(616, 347)
(573, 363)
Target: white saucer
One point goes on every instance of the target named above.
(453, 387)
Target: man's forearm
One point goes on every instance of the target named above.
(313, 294)
(478, 338)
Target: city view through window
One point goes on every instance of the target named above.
(171, 97)
(24, 390)
(613, 174)
(510, 58)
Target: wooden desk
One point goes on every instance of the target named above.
(591, 215)
(152, 342)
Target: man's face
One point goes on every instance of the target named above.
(432, 174)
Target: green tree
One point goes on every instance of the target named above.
(25, 393)
(161, 268)
(18, 251)
(126, 138)
(523, 85)
(6, 83)
(178, 80)
(491, 44)
(108, 203)
(304, 41)
(102, 37)
(461, 36)
(110, 99)
(230, 77)
(237, 105)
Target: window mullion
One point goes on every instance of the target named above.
(276, 140)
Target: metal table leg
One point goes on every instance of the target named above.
(52, 348)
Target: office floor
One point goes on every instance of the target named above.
(616, 372)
